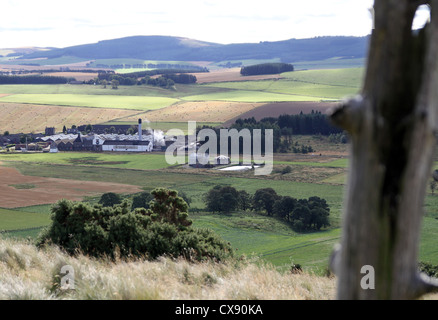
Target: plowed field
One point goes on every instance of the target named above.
(49, 190)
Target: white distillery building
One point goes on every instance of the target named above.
(141, 144)
(127, 146)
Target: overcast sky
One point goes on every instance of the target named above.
(60, 23)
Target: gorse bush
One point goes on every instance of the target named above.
(162, 229)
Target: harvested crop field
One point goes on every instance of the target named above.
(202, 111)
(279, 108)
(233, 74)
(49, 190)
(16, 117)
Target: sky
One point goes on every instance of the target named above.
(60, 23)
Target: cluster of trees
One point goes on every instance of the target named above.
(117, 231)
(302, 214)
(266, 68)
(141, 200)
(34, 79)
(305, 123)
(150, 73)
(167, 80)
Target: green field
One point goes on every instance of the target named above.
(250, 96)
(15, 220)
(123, 160)
(250, 233)
(310, 85)
(93, 101)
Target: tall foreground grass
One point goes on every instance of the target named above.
(30, 273)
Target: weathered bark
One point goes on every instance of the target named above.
(392, 125)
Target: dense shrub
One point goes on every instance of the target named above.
(110, 199)
(163, 229)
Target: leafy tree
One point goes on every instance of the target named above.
(310, 214)
(245, 200)
(110, 199)
(284, 207)
(319, 218)
(167, 206)
(264, 199)
(115, 84)
(301, 217)
(222, 199)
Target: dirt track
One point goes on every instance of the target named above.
(50, 190)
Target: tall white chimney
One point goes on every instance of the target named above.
(139, 129)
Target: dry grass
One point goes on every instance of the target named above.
(203, 111)
(28, 273)
(17, 118)
(232, 74)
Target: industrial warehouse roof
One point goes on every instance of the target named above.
(126, 142)
(103, 137)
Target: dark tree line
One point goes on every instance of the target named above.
(150, 73)
(303, 214)
(33, 80)
(302, 123)
(165, 80)
(266, 68)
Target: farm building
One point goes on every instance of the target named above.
(141, 142)
(127, 146)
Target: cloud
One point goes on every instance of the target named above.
(225, 21)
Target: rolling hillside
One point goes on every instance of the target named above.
(184, 49)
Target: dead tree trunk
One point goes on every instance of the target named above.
(392, 125)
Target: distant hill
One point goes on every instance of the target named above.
(184, 49)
